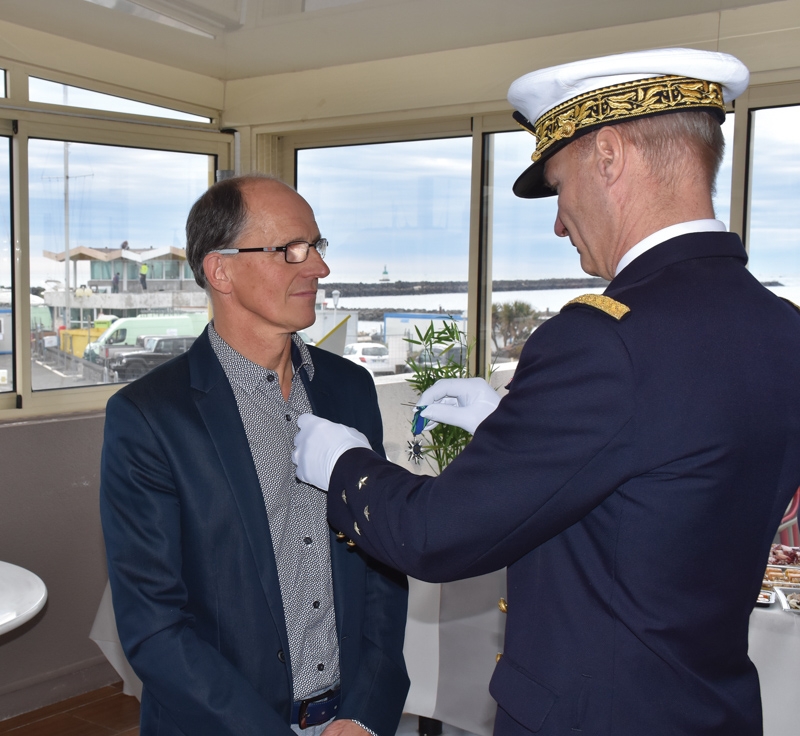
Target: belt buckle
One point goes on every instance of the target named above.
(302, 716)
(302, 713)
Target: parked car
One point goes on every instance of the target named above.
(125, 331)
(150, 351)
(454, 354)
(372, 355)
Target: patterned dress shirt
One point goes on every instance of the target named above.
(295, 511)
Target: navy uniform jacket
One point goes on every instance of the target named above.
(632, 481)
(192, 569)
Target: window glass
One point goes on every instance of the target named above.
(54, 93)
(722, 193)
(118, 207)
(397, 219)
(6, 293)
(2, 82)
(774, 219)
(172, 269)
(534, 272)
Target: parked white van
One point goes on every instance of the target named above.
(124, 331)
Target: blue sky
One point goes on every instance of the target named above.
(402, 205)
(116, 194)
(775, 195)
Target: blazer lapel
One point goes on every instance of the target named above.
(323, 401)
(216, 403)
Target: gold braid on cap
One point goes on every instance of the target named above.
(623, 102)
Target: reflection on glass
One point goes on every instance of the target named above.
(2, 82)
(54, 93)
(397, 219)
(774, 219)
(6, 294)
(111, 210)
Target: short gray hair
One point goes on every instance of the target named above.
(217, 220)
(674, 144)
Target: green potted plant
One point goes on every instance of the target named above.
(441, 352)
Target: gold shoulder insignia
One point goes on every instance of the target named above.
(789, 301)
(606, 304)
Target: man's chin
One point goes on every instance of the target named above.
(587, 266)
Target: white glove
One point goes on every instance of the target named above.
(318, 445)
(461, 402)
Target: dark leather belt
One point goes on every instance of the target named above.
(316, 710)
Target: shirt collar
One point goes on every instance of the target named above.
(248, 374)
(302, 357)
(673, 231)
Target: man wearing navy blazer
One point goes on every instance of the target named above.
(633, 477)
(237, 606)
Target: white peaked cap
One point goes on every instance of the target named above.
(560, 103)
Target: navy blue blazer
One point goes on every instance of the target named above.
(191, 564)
(632, 481)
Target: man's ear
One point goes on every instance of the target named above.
(611, 153)
(216, 271)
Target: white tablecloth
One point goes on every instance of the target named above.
(455, 630)
(453, 635)
(775, 651)
(104, 634)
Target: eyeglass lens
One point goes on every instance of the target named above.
(298, 252)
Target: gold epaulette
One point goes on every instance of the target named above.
(789, 301)
(606, 304)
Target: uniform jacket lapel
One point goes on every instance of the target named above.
(675, 250)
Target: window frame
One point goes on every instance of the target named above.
(282, 162)
(22, 121)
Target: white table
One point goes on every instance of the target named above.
(22, 596)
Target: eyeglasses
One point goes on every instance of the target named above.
(294, 252)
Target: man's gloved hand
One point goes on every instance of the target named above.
(461, 402)
(318, 445)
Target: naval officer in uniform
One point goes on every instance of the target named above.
(633, 477)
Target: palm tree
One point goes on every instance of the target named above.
(514, 322)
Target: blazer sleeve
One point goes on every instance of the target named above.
(196, 687)
(549, 453)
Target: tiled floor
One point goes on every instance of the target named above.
(104, 712)
(107, 712)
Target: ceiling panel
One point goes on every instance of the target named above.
(258, 37)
